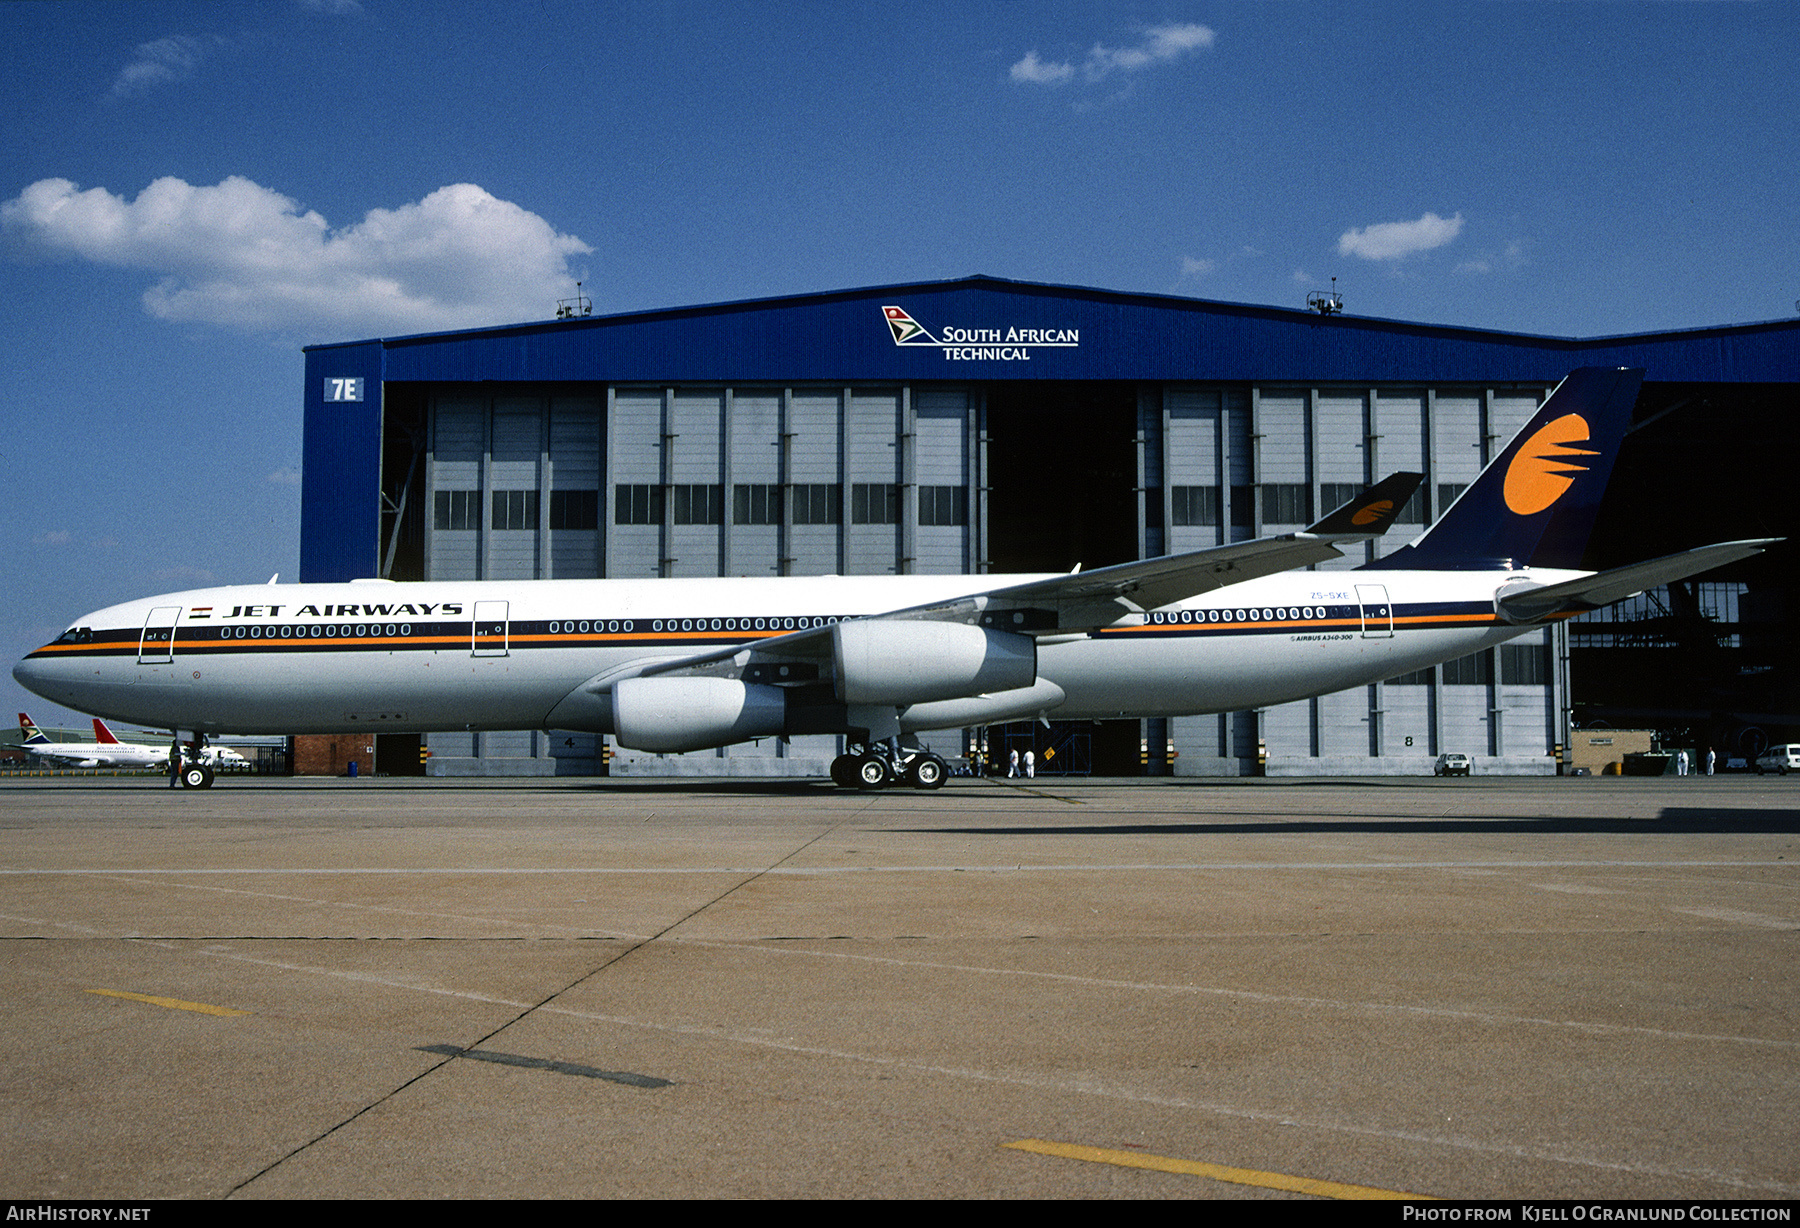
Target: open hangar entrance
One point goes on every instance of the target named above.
(1063, 462)
(1713, 661)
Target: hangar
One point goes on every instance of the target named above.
(975, 425)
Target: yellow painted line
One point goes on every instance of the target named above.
(1218, 1172)
(174, 1004)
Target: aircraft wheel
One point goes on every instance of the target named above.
(926, 772)
(196, 776)
(873, 773)
(843, 771)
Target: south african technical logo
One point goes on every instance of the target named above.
(980, 344)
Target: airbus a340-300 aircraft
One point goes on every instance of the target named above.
(677, 665)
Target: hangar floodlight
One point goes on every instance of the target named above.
(1326, 303)
(573, 308)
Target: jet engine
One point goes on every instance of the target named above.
(672, 715)
(901, 662)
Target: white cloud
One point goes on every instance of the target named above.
(1035, 70)
(1396, 240)
(287, 475)
(1159, 44)
(1191, 267)
(244, 255)
(161, 61)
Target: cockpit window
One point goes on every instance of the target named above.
(77, 635)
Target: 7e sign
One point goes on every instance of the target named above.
(343, 389)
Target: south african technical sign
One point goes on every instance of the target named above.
(1009, 344)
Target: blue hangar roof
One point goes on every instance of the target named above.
(968, 330)
(986, 328)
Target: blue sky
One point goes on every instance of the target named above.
(190, 192)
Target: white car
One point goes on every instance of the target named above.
(1452, 764)
(1783, 759)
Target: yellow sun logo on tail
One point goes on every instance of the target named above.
(1539, 473)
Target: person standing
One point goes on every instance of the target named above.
(1012, 763)
(174, 763)
(1030, 766)
(1681, 763)
(1711, 758)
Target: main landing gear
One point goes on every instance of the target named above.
(877, 767)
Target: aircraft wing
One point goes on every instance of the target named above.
(1606, 587)
(1065, 605)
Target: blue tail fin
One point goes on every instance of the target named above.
(1535, 503)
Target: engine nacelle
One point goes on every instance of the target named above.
(672, 715)
(904, 662)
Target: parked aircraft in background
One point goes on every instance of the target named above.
(107, 751)
(104, 751)
(677, 665)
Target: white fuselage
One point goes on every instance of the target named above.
(422, 657)
(100, 754)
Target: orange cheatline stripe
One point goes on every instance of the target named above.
(1218, 1172)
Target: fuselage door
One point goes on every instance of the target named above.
(489, 638)
(158, 643)
(1377, 613)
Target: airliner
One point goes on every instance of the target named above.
(104, 751)
(107, 751)
(673, 665)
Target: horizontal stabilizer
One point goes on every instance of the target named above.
(1606, 587)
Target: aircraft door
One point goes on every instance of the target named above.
(1377, 613)
(157, 645)
(489, 636)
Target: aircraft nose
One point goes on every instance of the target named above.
(33, 675)
(49, 678)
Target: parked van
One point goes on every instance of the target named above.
(1783, 759)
